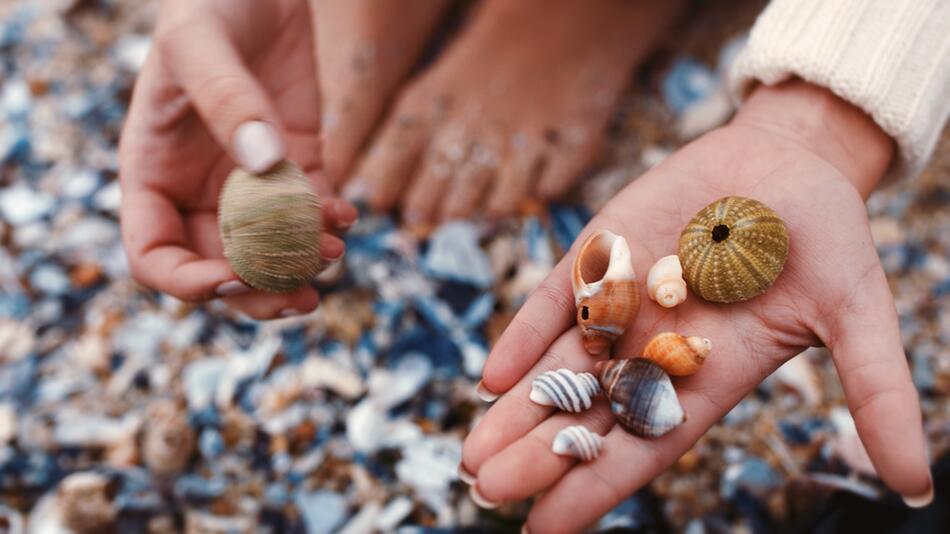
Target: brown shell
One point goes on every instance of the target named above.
(605, 290)
(641, 396)
(678, 355)
(733, 249)
(270, 227)
(168, 441)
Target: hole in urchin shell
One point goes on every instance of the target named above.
(720, 233)
(585, 313)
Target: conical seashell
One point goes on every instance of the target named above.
(641, 396)
(733, 249)
(677, 355)
(569, 391)
(270, 227)
(168, 441)
(605, 290)
(579, 442)
(665, 283)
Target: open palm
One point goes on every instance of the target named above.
(832, 291)
(217, 65)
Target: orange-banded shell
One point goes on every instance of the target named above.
(733, 249)
(678, 355)
(270, 227)
(605, 290)
(641, 396)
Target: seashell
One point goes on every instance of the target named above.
(569, 391)
(270, 227)
(579, 442)
(733, 249)
(641, 396)
(86, 502)
(168, 441)
(605, 290)
(665, 283)
(677, 355)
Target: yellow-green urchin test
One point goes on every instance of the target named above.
(270, 227)
(733, 249)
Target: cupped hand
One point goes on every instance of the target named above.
(812, 158)
(227, 83)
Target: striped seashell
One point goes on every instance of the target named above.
(565, 389)
(677, 355)
(733, 249)
(579, 442)
(641, 396)
(605, 290)
(665, 284)
(270, 227)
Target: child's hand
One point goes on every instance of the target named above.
(228, 82)
(809, 156)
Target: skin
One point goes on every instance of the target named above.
(514, 109)
(216, 65)
(814, 159)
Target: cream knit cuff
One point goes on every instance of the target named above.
(890, 58)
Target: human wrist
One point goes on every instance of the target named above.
(820, 121)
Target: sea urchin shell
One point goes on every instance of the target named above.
(270, 227)
(733, 249)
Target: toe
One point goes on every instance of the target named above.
(568, 159)
(347, 122)
(474, 176)
(440, 169)
(517, 175)
(383, 173)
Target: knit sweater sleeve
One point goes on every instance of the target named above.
(890, 58)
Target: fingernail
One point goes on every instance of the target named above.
(231, 288)
(257, 146)
(524, 529)
(922, 500)
(346, 225)
(465, 476)
(484, 394)
(289, 312)
(355, 190)
(480, 499)
(336, 258)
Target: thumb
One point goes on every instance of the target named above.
(237, 110)
(868, 353)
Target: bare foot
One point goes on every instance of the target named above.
(515, 108)
(364, 49)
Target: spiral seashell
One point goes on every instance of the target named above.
(270, 227)
(605, 290)
(579, 442)
(641, 396)
(569, 391)
(733, 249)
(665, 283)
(677, 355)
(168, 441)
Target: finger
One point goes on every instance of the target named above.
(332, 247)
(339, 215)
(264, 306)
(529, 466)
(161, 255)
(516, 177)
(627, 462)
(381, 177)
(565, 165)
(227, 95)
(548, 312)
(869, 357)
(514, 415)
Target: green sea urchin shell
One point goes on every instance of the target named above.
(270, 226)
(733, 249)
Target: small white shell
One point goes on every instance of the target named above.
(569, 391)
(665, 283)
(579, 442)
